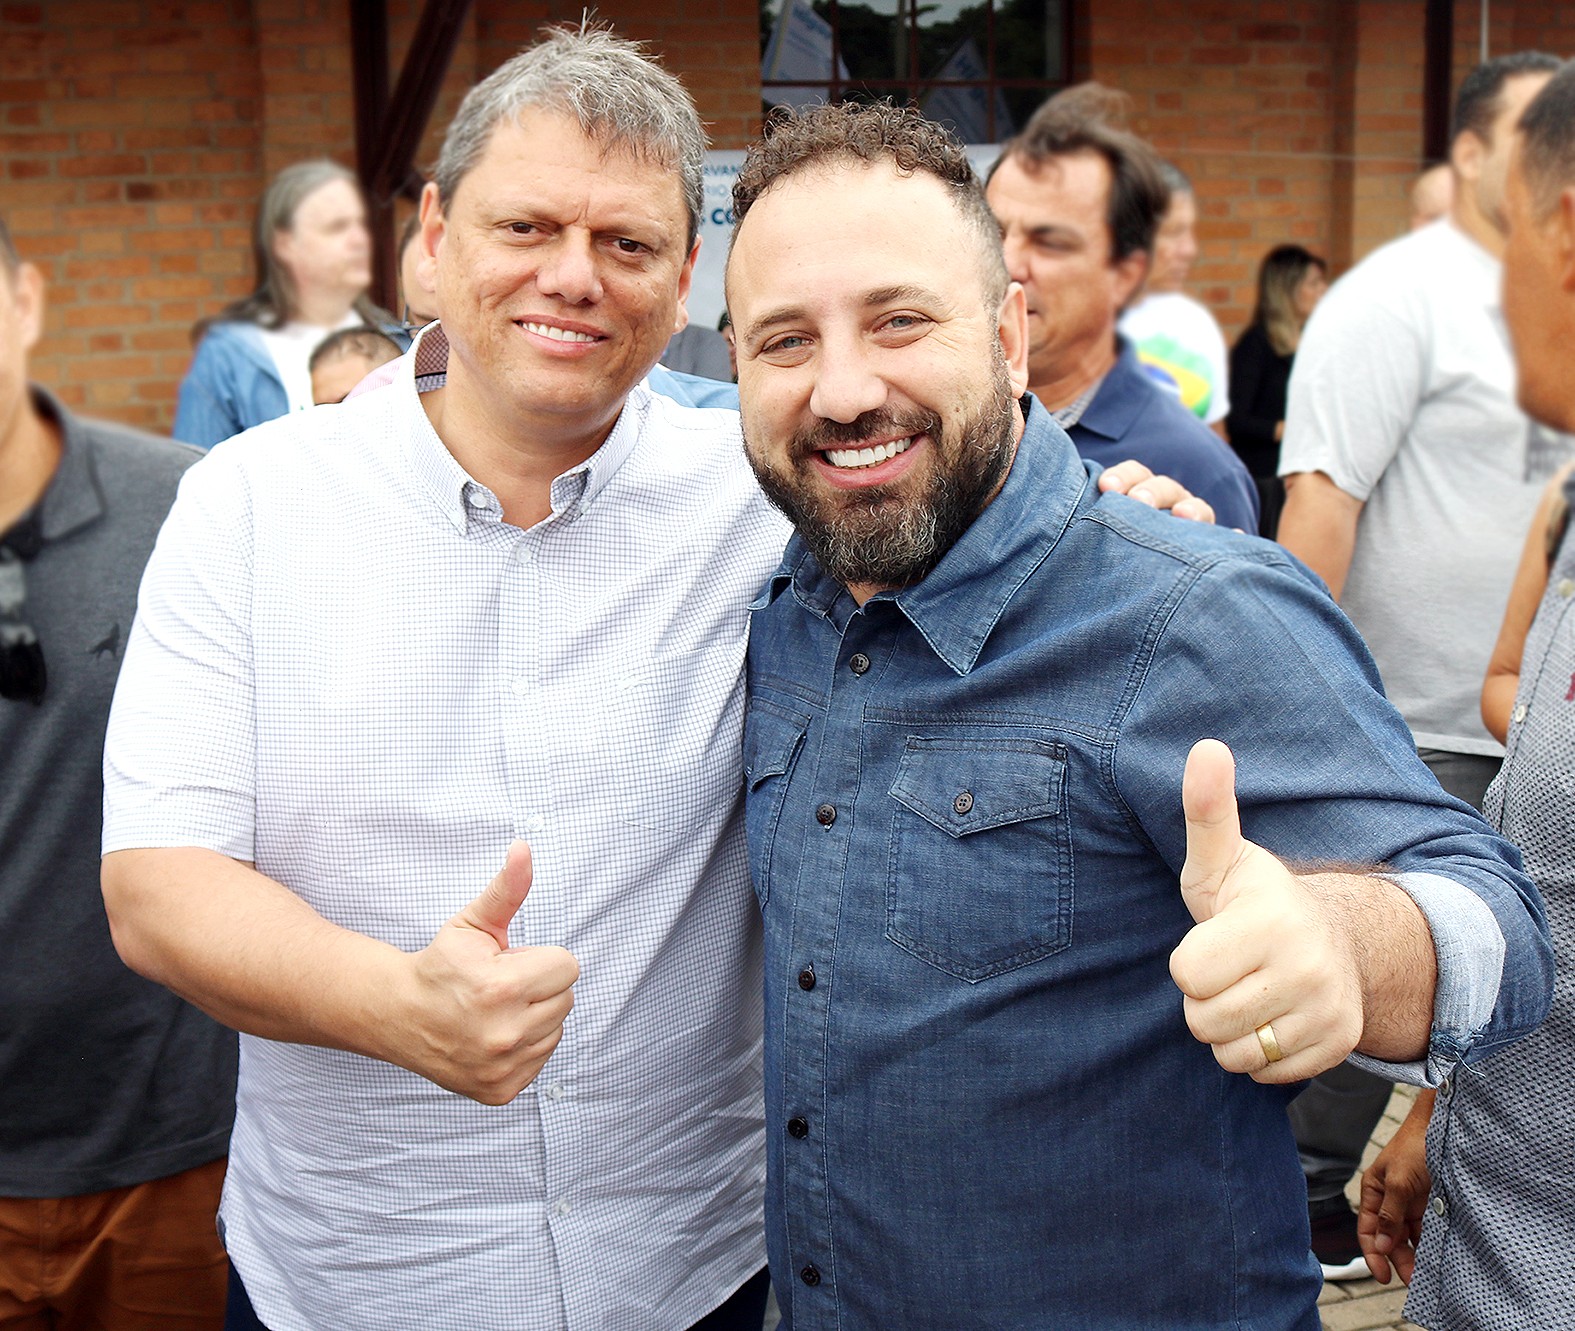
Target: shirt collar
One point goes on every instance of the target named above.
(460, 496)
(1120, 395)
(959, 603)
(72, 498)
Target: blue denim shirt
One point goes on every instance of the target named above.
(233, 384)
(984, 1108)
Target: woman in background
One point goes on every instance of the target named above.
(1291, 281)
(313, 258)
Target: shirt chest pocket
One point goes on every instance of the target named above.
(980, 872)
(773, 737)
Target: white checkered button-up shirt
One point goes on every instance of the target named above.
(347, 668)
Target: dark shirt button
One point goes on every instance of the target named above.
(858, 663)
(798, 1128)
(806, 978)
(809, 1275)
(826, 815)
(963, 802)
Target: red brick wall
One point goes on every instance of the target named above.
(130, 135)
(136, 135)
(1298, 120)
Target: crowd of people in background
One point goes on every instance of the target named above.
(499, 591)
(312, 257)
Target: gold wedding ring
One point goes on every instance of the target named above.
(1271, 1046)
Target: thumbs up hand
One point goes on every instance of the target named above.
(1271, 974)
(481, 1018)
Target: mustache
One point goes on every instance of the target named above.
(824, 434)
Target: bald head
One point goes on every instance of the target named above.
(1431, 194)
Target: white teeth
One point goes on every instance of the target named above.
(867, 457)
(558, 334)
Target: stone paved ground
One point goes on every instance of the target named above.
(1365, 1305)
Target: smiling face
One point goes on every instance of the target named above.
(559, 270)
(1058, 246)
(326, 248)
(876, 376)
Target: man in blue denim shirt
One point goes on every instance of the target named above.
(975, 684)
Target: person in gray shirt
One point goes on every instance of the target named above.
(116, 1096)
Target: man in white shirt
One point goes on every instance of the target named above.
(503, 598)
(1411, 476)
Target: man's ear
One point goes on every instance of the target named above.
(1563, 222)
(27, 294)
(1013, 332)
(1466, 154)
(430, 237)
(686, 277)
(1130, 273)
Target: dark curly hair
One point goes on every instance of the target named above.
(879, 132)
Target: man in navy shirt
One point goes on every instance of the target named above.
(1078, 203)
(974, 686)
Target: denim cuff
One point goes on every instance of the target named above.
(1470, 948)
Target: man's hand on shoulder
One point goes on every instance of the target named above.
(481, 1018)
(1279, 972)
(1138, 482)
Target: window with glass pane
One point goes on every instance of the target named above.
(980, 68)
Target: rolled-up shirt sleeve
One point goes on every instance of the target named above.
(1469, 946)
(1328, 778)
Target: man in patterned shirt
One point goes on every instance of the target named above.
(1470, 1202)
(502, 599)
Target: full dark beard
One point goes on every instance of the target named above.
(882, 536)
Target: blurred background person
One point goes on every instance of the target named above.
(1177, 339)
(115, 1095)
(1291, 281)
(1078, 202)
(698, 350)
(1432, 192)
(313, 260)
(1497, 1244)
(345, 358)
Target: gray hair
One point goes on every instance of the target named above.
(10, 260)
(621, 97)
(273, 298)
